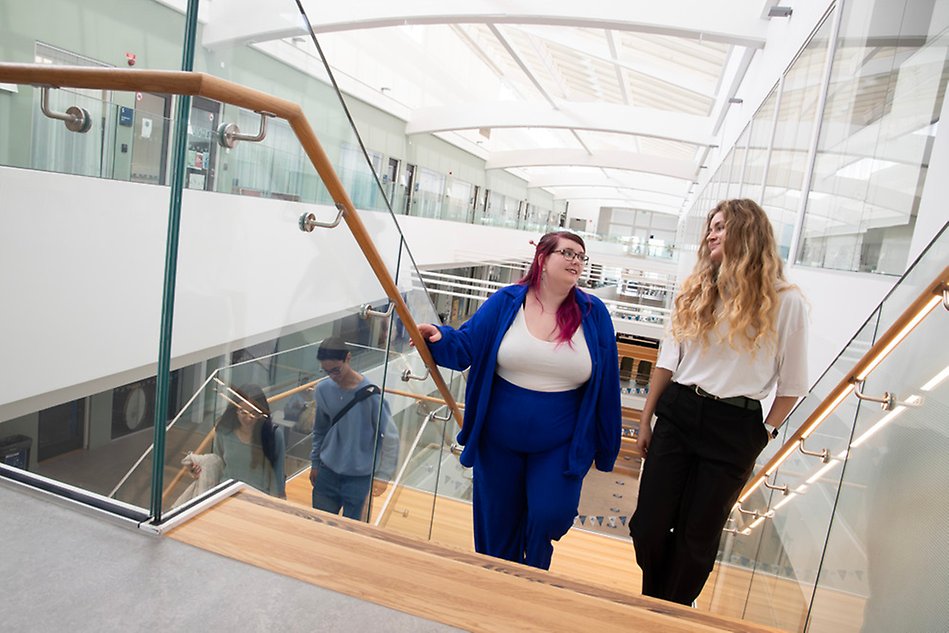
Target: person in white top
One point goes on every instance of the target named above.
(738, 330)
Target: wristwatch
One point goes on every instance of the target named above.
(773, 433)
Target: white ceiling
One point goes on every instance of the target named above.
(620, 104)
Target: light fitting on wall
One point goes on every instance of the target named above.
(779, 11)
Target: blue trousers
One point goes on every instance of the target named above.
(333, 491)
(522, 498)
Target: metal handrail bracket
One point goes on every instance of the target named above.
(75, 118)
(228, 134)
(308, 221)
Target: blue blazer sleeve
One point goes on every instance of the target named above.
(609, 415)
(457, 349)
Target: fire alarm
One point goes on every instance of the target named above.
(130, 58)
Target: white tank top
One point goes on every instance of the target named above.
(531, 363)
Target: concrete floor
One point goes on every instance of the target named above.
(63, 570)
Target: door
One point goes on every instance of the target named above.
(202, 143)
(150, 138)
(408, 185)
(390, 178)
(61, 429)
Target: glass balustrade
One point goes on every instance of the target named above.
(82, 324)
(253, 294)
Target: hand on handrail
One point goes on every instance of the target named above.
(429, 332)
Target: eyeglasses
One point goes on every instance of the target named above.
(250, 414)
(569, 254)
(333, 371)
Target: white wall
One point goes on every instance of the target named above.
(83, 263)
(839, 305)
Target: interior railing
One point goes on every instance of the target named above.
(394, 327)
(837, 529)
(420, 419)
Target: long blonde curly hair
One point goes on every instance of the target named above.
(748, 281)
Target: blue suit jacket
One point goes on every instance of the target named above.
(475, 344)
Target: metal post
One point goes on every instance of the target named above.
(797, 235)
(171, 266)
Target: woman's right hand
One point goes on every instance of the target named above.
(429, 332)
(644, 438)
(195, 470)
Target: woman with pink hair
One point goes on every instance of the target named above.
(542, 401)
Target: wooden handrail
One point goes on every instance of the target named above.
(217, 89)
(883, 346)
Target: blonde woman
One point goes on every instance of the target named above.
(738, 330)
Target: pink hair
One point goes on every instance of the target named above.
(568, 314)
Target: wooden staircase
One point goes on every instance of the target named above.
(427, 579)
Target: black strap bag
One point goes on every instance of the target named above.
(362, 394)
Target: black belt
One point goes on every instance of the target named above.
(736, 401)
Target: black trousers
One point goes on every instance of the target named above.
(702, 453)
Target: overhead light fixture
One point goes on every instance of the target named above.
(938, 378)
(735, 100)
(779, 11)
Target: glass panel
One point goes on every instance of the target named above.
(759, 140)
(882, 569)
(792, 137)
(80, 407)
(738, 166)
(429, 479)
(886, 93)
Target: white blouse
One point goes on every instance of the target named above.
(532, 363)
(726, 372)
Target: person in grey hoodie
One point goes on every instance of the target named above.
(354, 450)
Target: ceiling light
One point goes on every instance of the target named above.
(779, 11)
(735, 100)
(938, 378)
(863, 168)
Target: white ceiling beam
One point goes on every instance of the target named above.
(556, 156)
(240, 22)
(681, 79)
(620, 80)
(570, 178)
(612, 201)
(520, 64)
(712, 20)
(598, 117)
(631, 197)
(661, 199)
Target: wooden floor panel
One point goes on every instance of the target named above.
(610, 563)
(444, 584)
